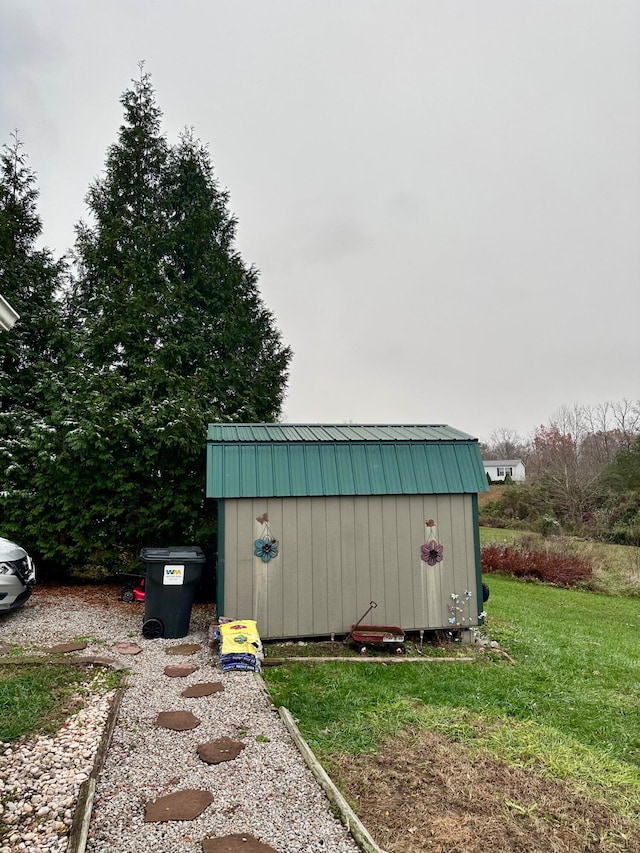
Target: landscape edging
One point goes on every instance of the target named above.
(352, 822)
(79, 832)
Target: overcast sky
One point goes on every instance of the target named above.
(443, 196)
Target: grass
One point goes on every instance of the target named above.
(616, 568)
(570, 707)
(489, 535)
(37, 698)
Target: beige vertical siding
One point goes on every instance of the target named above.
(337, 554)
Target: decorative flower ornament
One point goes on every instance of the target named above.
(431, 552)
(458, 608)
(266, 548)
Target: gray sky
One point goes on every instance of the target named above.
(443, 196)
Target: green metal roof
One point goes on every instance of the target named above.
(286, 460)
(334, 432)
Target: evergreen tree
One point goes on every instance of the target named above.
(34, 354)
(623, 475)
(219, 335)
(120, 256)
(175, 335)
(31, 282)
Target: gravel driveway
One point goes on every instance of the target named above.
(266, 791)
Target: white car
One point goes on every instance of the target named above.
(17, 575)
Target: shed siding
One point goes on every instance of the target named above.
(336, 554)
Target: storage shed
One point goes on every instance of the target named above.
(317, 521)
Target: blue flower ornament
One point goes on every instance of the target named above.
(266, 548)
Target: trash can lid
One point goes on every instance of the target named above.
(162, 555)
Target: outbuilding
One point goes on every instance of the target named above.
(317, 521)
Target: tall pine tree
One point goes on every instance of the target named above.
(175, 335)
(34, 355)
(31, 282)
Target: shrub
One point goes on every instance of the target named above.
(548, 525)
(625, 534)
(559, 569)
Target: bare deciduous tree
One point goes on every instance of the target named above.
(505, 443)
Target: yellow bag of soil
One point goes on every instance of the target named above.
(240, 637)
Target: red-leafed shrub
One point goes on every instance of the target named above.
(560, 569)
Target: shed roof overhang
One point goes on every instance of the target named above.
(297, 460)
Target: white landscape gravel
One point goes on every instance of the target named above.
(267, 791)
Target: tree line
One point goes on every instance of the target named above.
(583, 473)
(124, 351)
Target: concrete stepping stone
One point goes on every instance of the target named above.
(180, 670)
(240, 841)
(177, 721)
(204, 688)
(181, 805)
(222, 749)
(126, 648)
(184, 649)
(65, 648)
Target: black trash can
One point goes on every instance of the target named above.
(172, 575)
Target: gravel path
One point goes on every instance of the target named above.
(267, 791)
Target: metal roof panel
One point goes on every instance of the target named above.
(249, 460)
(342, 468)
(334, 432)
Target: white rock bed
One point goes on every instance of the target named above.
(39, 780)
(267, 791)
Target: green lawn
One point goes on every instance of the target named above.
(36, 698)
(489, 535)
(616, 568)
(569, 707)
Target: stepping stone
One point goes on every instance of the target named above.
(180, 670)
(204, 688)
(177, 721)
(241, 841)
(65, 648)
(222, 749)
(126, 648)
(184, 649)
(181, 805)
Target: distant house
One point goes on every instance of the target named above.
(499, 469)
